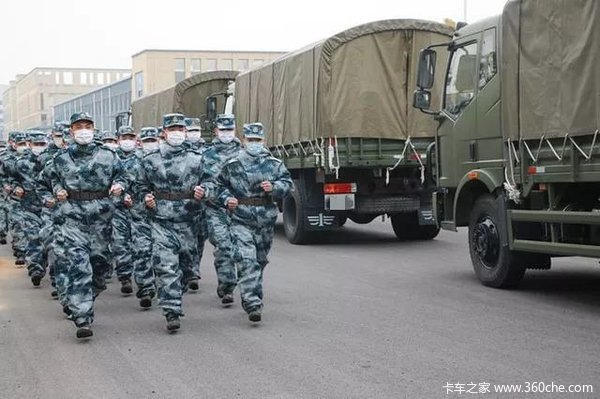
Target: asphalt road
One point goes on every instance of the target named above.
(358, 316)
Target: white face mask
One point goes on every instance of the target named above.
(226, 136)
(58, 141)
(37, 150)
(175, 138)
(149, 146)
(127, 145)
(21, 149)
(83, 136)
(194, 137)
(111, 145)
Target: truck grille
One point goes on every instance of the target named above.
(387, 204)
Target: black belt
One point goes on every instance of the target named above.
(182, 195)
(87, 195)
(256, 201)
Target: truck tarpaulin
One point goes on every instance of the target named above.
(358, 83)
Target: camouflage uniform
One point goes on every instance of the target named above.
(141, 230)
(170, 174)
(3, 199)
(25, 174)
(87, 173)
(15, 219)
(217, 218)
(253, 221)
(121, 222)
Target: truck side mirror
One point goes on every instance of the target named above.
(426, 70)
(211, 108)
(422, 99)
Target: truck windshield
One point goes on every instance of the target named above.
(461, 81)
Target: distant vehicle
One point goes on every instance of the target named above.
(338, 114)
(517, 144)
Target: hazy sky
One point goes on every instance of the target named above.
(105, 33)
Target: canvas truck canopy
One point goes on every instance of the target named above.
(358, 83)
(187, 97)
(551, 68)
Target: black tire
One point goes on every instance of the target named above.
(495, 265)
(406, 227)
(293, 219)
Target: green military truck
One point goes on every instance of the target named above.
(338, 114)
(187, 97)
(517, 144)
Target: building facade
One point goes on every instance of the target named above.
(29, 99)
(156, 70)
(2, 130)
(104, 104)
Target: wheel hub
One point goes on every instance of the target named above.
(486, 242)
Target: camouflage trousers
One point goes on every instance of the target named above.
(35, 257)
(174, 254)
(84, 254)
(3, 218)
(202, 237)
(47, 235)
(219, 233)
(252, 245)
(15, 226)
(121, 244)
(143, 272)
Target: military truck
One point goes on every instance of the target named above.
(338, 114)
(187, 97)
(517, 143)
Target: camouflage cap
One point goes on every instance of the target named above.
(192, 124)
(11, 135)
(97, 135)
(19, 137)
(81, 116)
(59, 127)
(123, 130)
(225, 122)
(254, 131)
(37, 137)
(109, 135)
(173, 120)
(148, 133)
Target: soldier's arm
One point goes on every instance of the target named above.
(119, 175)
(222, 184)
(282, 183)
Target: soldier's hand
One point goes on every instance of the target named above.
(199, 192)
(50, 202)
(7, 189)
(128, 201)
(150, 201)
(232, 203)
(19, 192)
(62, 195)
(116, 190)
(267, 186)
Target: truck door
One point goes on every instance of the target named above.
(457, 147)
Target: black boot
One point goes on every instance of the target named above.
(84, 331)
(255, 316)
(227, 300)
(145, 302)
(126, 287)
(36, 279)
(193, 285)
(173, 323)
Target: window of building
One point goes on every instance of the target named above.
(487, 64)
(242, 64)
(41, 101)
(210, 64)
(91, 78)
(257, 62)
(227, 64)
(179, 69)
(100, 78)
(195, 67)
(83, 78)
(107, 74)
(139, 84)
(68, 78)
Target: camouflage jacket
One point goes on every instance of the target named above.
(173, 170)
(241, 178)
(215, 157)
(90, 168)
(25, 175)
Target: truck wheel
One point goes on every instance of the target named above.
(495, 265)
(293, 219)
